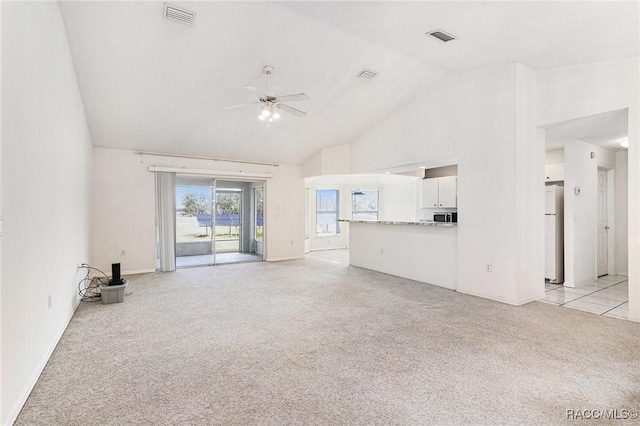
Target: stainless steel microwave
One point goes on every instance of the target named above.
(445, 217)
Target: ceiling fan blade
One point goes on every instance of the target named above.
(291, 110)
(250, 89)
(295, 97)
(241, 105)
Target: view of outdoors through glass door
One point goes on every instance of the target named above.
(214, 221)
(228, 225)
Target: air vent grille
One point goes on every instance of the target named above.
(441, 35)
(182, 16)
(367, 74)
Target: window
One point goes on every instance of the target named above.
(306, 213)
(364, 204)
(327, 207)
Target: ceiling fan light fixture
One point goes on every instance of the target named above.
(271, 102)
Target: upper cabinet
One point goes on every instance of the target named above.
(439, 192)
(429, 193)
(554, 173)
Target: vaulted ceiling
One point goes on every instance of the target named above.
(151, 84)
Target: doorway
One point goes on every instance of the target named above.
(218, 221)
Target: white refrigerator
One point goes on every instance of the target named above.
(554, 234)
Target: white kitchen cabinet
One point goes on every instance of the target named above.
(429, 193)
(554, 173)
(439, 192)
(447, 191)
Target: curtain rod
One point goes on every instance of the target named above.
(197, 157)
(226, 173)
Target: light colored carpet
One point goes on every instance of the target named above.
(319, 342)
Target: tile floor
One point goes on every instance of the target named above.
(608, 296)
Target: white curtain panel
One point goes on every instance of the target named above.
(166, 220)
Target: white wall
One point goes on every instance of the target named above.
(574, 92)
(554, 157)
(329, 161)
(634, 208)
(422, 253)
(583, 90)
(472, 115)
(397, 201)
(123, 208)
(580, 213)
(529, 175)
(46, 177)
(621, 213)
(581, 210)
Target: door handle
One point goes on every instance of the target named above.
(607, 227)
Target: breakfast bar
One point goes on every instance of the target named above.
(421, 251)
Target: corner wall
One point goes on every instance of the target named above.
(581, 171)
(45, 194)
(473, 115)
(622, 213)
(123, 208)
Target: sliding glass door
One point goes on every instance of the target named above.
(217, 221)
(194, 221)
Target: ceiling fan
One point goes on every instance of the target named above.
(271, 102)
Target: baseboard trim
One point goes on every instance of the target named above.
(15, 411)
(502, 299)
(138, 271)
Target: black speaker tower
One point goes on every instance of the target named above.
(115, 275)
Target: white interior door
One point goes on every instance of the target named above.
(603, 227)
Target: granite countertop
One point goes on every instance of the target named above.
(394, 222)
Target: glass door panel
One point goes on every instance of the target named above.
(194, 222)
(218, 221)
(258, 219)
(228, 223)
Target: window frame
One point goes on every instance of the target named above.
(355, 212)
(336, 212)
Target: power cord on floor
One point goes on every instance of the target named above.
(89, 287)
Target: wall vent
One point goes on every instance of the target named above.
(176, 14)
(441, 35)
(366, 74)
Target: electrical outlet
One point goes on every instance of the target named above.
(49, 302)
(122, 252)
(488, 267)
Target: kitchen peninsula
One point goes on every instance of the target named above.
(421, 251)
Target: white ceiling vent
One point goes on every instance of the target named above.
(366, 74)
(441, 35)
(176, 14)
